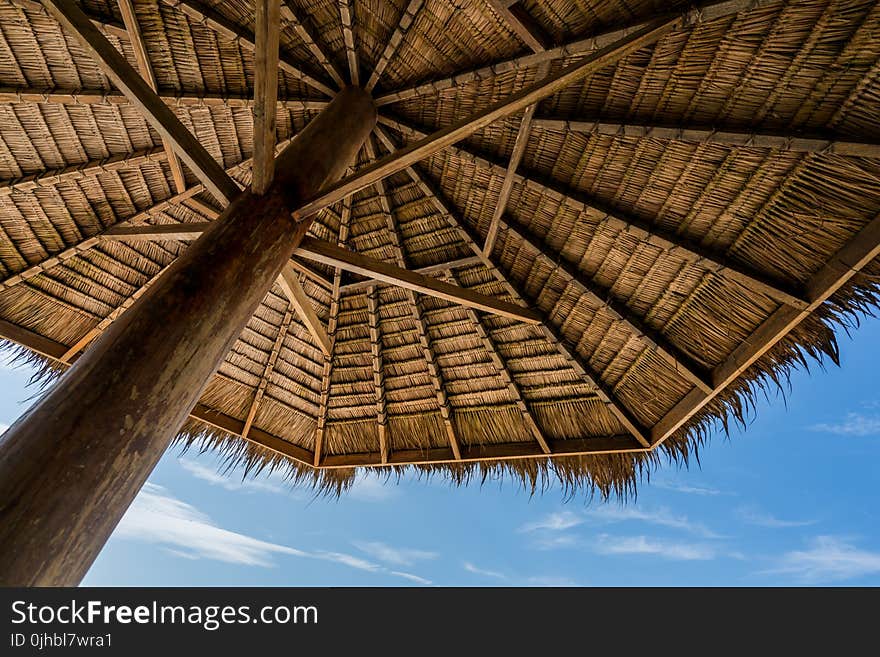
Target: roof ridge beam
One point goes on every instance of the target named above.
(678, 360)
(445, 137)
(578, 47)
(403, 25)
(686, 249)
(775, 140)
(215, 21)
(840, 268)
(159, 115)
(581, 367)
(129, 18)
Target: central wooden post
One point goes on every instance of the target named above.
(71, 466)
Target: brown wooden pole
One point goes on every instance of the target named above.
(71, 466)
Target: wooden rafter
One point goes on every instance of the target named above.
(157, 113)
(378, 370)
(346, 15)
(291, 15)
(60, 96)
(846, 263)
(458, 263)
(780, 141)
(581, 47)
(534, 39)
(300, 301)
(129, 18)
(684, 248)
(415, 307)
(678, 360)
(523, 25)
(268, 26)
(267, 372)
(403, 25)
(324, 402)
(334, 256)
(506, 376)
(412, 153)
(229, 30)
(575, 361)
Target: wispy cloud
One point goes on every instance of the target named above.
(688, 489)
(854, 424)
(559, 521)
(412, 578)
(234, 481)
(184, 531)
(394, 555)
(471, 568)
(828, 559)
(661, 517)
(644, 545)
(758, 518)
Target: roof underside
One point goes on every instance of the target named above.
(652, 253)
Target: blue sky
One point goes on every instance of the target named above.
(789, 501)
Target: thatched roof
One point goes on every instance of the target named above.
(690, 221)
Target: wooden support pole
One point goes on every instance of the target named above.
(71, 466)
(265, 92)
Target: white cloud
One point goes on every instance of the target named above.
(370, 488)
(688, 489)
(759, 518)
(674, 550)
(233, 481)
(828, 559)
(559, 521)
(393, 555)
(662, 517)
(471, 568)
(156, 517)
(184, 531)
(854, 424)
(412, 578)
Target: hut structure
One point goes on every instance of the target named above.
(564, 238)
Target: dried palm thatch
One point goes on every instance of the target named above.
(690, 221)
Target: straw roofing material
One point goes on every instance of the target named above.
(76, 158)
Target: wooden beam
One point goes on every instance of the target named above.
(780, 141)
(412, 153)
(403, 25)
(346, 15)
(293, 290)
(61, 96)
(846, 263)
(506, 376)
(129, 18)
(603, 297)
(482, 453)
(332, 322)
(215, 21)
(523, 25)
(580, 47)
(459, 263)
(267, 372)
(334, 256)
(378, 370)
(157, 113)
(268, 26)
(52, 177)
(689, 250)
(581, 367)
(291, 15)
